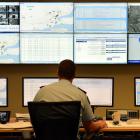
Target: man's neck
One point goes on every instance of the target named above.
(66, 79)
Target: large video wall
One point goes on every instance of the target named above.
(87, 33)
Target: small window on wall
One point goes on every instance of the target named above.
(3, 92)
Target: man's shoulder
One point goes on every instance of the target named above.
(48, 85)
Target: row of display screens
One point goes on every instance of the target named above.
(68, 17)
(87, 33)
(95, 88)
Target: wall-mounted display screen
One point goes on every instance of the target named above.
(87, 33)
(137, 91)
(133, 17)
(100, 17)
(9, 16)
(31, 85)
(9, 47)
(3, 92)
(46, 17)
(99, 90)
(134, 48)
(100, 48)
(45, 48)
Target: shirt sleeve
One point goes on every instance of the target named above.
(38, 96)
(87, 113)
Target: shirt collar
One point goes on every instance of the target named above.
(65, 81)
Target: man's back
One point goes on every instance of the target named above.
(65, 91)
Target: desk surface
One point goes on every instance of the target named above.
(16, 126)
(123, 126)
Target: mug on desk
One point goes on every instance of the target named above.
(116, 117)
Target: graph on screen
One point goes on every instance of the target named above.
(98, 90)
(3, 91)
(32, 85)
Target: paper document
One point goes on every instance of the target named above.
(22, 115)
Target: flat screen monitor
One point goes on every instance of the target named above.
(99, 90)
(9, 16)
(133, 18)
(45, 48)
(3, 92)
(137, 91)
(31, 85)
(9, 48)
(54, 17)
(134, 48)
(100, 49)
(100, 17)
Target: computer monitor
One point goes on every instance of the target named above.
(137, 91)
(31, 85)
(9, 16)
(45, 48)
(100, 17)
(3, 92)
(134, 48)
(99, 90)
(9, 48)
(100, 49)
(133, 17)
(51, 17)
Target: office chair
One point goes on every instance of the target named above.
(55, 120)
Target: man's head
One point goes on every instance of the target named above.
(66, 70)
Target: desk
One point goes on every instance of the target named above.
(111, 129)
(123, 131)
(122, 126)
(116, 128)
(16, 131)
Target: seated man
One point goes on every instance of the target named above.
(64, 90)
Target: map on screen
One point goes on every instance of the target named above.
(9, 48)
(47, 17)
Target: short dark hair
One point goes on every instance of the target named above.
(66, 69)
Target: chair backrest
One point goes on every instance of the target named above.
(55, 120)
